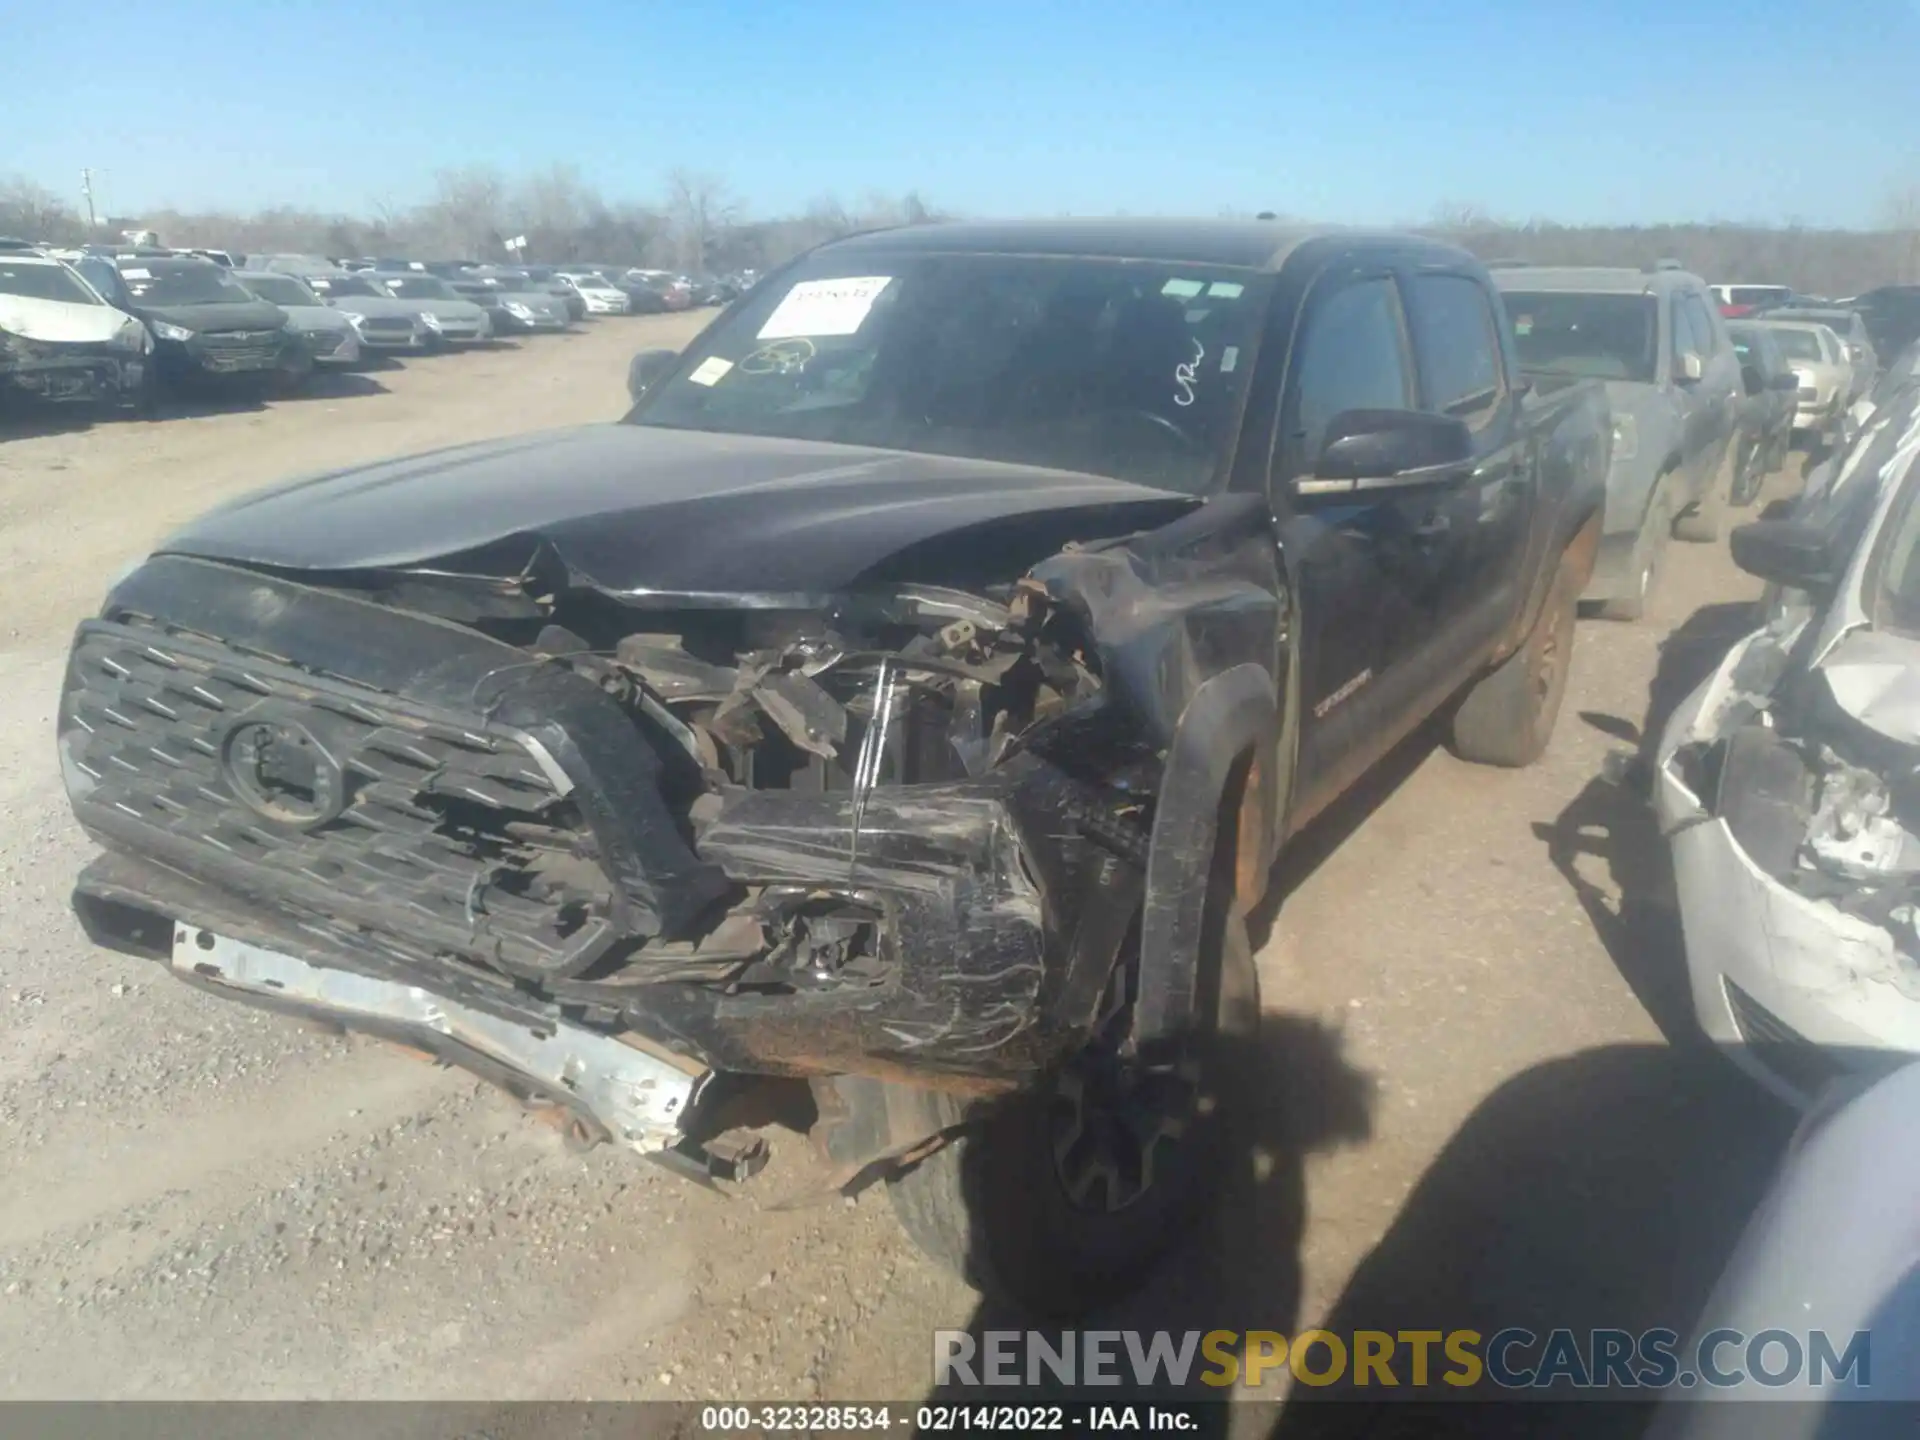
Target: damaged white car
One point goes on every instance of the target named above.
(1789, 785)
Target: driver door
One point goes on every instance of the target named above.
(1363, 568)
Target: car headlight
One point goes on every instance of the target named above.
(1626, 438)
(514, 307)
(430, 320)
(354, 318)
(178, 333)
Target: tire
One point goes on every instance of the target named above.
(293, 372)
(1700, 524)
(1649, 551)
(991, 1205)
(1746, 484)
(1507, 718)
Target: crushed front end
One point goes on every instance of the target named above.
(1794, 821)
(601, 853)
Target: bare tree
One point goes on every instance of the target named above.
(1900, 213)
(32, 212)
(699, 206)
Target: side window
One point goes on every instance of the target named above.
(1352, 357)
(1705, 331)
(1457, 343)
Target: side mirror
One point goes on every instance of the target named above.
(1379, 449)
(1786, 552)
(649, 367)
(1754, 381)
(1786, 380)
(1691, 367)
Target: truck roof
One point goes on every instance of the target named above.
(1595, 279)
(1245, 244)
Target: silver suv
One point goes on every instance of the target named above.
(1657, 340)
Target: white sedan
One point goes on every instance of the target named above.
(1788, 785)
(601, 298)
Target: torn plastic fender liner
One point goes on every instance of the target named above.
(1232, 714)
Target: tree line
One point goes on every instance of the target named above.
(699, 224)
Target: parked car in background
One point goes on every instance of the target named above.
(330, 337)
(1785, 785)
(886, 703)
(1819, 358)
(208, 328)
(543, 275)
(1891, 314)
(450, 318)
(524, 303)
(1736, 301)
(220, 257)
(62, 342)
(382, 322)
(1673, 382)
(303, 266)
(596, 292)
(1862, 359)
(1765, 432)
(673, 295)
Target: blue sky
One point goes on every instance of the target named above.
(1355, 110)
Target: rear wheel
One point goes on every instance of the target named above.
(1508, 717)
(1066, 1199)
(1746, 484)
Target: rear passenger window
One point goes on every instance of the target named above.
(1352, 358)
(1456, 342)
(1705, 333)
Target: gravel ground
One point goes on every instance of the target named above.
(1468, 1112)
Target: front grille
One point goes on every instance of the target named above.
(225, 340)
(444, 837)
(324, 342)
(386, 325)
(1777, 1045)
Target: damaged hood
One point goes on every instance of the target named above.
(60, 321)
(1874, 676)
(633, 510)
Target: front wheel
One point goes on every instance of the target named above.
(1643, 566)
(1065, 1200)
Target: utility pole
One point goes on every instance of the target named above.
(86, 189)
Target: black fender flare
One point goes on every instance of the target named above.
(1233, 713)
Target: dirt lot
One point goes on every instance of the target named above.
(1470, 1116)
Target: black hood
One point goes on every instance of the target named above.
(212, 317)
(632, 509)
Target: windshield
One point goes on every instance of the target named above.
(280, 289)
(44, 282)
(418, 287)
(201, 283)
(338, 285)
(1128, 369)
(1798, 344)
(1599, 337)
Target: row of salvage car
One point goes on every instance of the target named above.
(112, 329)
(1788, 784)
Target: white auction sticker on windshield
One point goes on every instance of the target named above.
(137, 274)
(824, 307)
(710, 370)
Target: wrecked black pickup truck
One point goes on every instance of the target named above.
(909, 698)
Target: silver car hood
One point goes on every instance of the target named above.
(381, 305)
(447, 309)
(316, 317)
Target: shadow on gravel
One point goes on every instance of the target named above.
(336, 385)
(1603, 1190)
(1611, 821)
(1239, 1267)
(27, 424)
